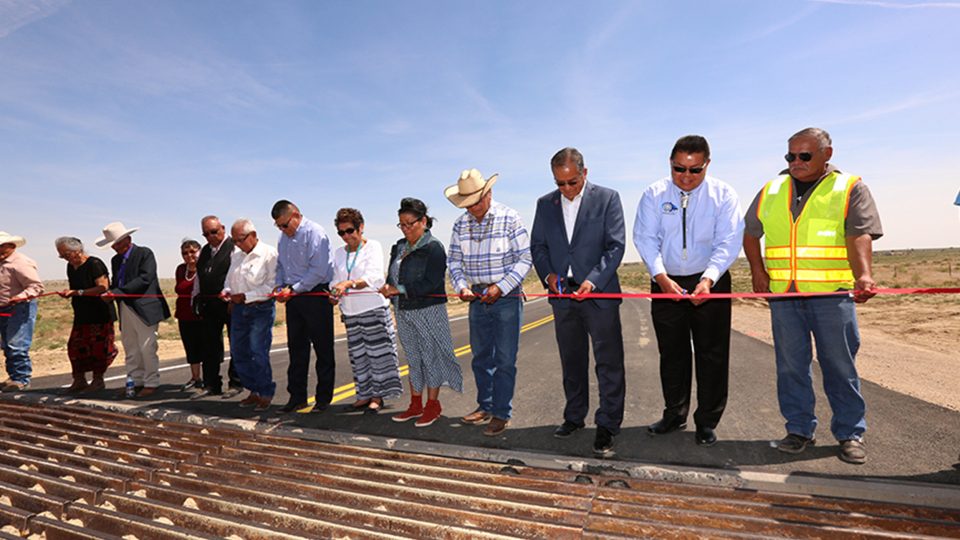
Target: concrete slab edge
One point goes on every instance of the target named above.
(868, 489)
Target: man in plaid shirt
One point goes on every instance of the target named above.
(489, 255)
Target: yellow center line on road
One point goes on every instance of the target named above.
(349, 390)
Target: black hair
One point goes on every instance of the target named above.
(691, 144)
(410, 205)
(282, 208)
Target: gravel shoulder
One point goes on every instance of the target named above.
(907, 349)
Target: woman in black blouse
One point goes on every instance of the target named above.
(91, 346)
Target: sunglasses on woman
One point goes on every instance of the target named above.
(344, 232)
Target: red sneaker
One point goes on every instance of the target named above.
(415, 410)
(430, 413)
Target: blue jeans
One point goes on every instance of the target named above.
(494, 340)
(251, 334)
(16, 335)
(832, 320)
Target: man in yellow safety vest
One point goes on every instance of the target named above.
(820, 224)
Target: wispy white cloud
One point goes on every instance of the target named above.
(893, 5)
(909, 103)
(255, 167)
(603, 34)
(203, 72)
(780, 25)
(15, 14)
(50, 120)
(482, 106)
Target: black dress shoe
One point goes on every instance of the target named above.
(706, 436)
(664, 426)
(292, 407)
(603, 444)
(566, 429)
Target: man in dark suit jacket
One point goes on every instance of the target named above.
(135, 273)
(212, 266)
(577, 242)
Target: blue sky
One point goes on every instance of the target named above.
(157, 113)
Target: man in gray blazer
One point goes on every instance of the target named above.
(135, 273)
(577, 242)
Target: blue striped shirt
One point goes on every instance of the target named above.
(305, 259)
(495, 250)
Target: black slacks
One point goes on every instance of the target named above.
(310, 322)
(577, 325)
(709, 326)
(211, 330)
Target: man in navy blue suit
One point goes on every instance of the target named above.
(577, 242)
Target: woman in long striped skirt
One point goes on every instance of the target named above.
(371, 339)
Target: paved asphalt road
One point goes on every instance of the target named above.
(907, 439)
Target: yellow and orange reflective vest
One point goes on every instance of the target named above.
(810, 251)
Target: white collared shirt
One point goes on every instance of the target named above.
(570, 211)
(714, 232)
(253, 274)
(367, 266)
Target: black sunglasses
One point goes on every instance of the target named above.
(568, 183)
(693, 170)
(804, 156)
(283, 226)
(344, 232)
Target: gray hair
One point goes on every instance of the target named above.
(567, 155)
(245, 225)
(821, 135)
(68, 243)
(211, 217)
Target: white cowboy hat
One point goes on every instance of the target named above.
(7, 238)
(469, 189)
(113, 233)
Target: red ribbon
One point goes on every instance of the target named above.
(588, 296)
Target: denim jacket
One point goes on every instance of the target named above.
(422, 273)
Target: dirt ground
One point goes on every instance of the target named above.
(911, 349)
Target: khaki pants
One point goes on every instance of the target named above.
(140, 346)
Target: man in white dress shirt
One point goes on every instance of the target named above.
(688, 231)
(248, 287)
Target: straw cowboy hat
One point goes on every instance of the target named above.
(469, 189)
(113, 233)
(7, 238)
